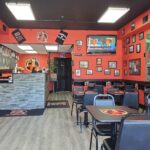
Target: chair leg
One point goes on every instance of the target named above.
(96, 142)
(80, 124)
(77, 114)
(91, 139)
(72, 108)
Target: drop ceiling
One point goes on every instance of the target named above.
(73, 14)
(39, 48)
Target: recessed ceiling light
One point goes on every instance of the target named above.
(112, 14)
(21, 11)
(25, 47)
(51, 47)
(31, 52)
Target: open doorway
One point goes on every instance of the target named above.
(64, 74)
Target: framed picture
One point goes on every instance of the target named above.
(112, 64)
(116, 72)
(141, 36)
(98, 61)
(79, 42)
(132, 26)
(138, 48)
(135, 66)
(133, 38)
(145, 19)
(107, 71)
(99, 69)
(128, 40)
(78, 72)
(131, 49)
(89, 71)
(125, 72)
(84, 64)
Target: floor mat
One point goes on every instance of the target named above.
(21, 112)
(57, 104)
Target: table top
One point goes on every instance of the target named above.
(119, 92)
(109, 114)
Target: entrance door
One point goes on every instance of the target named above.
(64, 74)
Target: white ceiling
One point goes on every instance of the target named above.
(39, 48)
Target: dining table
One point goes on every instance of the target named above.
(118, 96)
(111, 115)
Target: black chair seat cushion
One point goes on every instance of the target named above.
(109, 144)
(103, 129)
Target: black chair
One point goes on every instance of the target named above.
(99, 89)
(78, 94)
(134, 134)
(148, 103)
(131, 100)
(129, 88)
(101, 129)
(87, 100)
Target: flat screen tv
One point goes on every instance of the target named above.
(101, 44)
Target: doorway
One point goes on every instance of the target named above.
(64, 74)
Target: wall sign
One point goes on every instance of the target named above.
(61, 37)
(18, 36)
(42, 37)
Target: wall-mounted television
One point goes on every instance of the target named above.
(101, 44)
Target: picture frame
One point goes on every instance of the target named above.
(98, 61)
(135, 66)
(131, 48)
(141, 36)
(116, 72)
(138, 48)
(125, 72)
(79, 42)
(84, 64)
(89, 71)
(78, 72)
(133, 38)
(112, 64)
(145, 19)
(107, 71)
(128, 40)
(99, 69)
(132, 26)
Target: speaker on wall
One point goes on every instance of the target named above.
(18, 36)
(61, 37)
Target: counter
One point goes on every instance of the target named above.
(28, 91)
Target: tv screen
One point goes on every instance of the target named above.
(101, 44)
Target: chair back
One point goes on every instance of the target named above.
(104, 100)
(131, 100)
(134, 133)
(148, 99)
(99, 89)
(88, 98)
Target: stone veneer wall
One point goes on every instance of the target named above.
(28, 91)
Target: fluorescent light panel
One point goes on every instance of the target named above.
(51, 47)
(25, 47)
(31, 52)
(112, 14)
(21, 11)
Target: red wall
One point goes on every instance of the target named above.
(139, 27)
(73, 36)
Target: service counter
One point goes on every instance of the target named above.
(27, 91)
